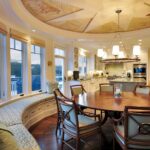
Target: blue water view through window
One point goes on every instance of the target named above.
(36, 67)
(59, 67)
(16, 48)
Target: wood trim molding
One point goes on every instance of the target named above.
(3, 28)
(36, 41)
(19, 35)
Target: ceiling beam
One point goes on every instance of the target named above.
(148, 4)
(64, 15)
(88, 24)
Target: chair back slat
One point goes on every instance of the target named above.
(106, 87)
(137, 127)
(77, 89)
(141, 89)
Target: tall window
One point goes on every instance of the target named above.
(82, 65)
(16, 52)
(59, 64)
(36, 53)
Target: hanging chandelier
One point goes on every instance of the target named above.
(118, 55)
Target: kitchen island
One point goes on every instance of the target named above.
(92, 85)
(128, 84)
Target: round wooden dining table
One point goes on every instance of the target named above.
(107, 102)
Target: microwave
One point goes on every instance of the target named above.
(139, 70)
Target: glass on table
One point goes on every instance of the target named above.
(117, 90)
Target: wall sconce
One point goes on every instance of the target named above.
(115, 50)
(136, 50)
(49, 63)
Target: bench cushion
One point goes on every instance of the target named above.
(24, 139)
(7, 140)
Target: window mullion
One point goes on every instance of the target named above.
(43, 69)
(1, 67)
(8, 66)
(5, 85)
(29, 72)
(25, 68)
(37, 68)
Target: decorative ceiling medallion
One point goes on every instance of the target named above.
(88, 16)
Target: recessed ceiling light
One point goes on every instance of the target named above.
(33, 30)
(140, 40)
(120, 42)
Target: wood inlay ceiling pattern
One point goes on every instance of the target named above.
(91, 16)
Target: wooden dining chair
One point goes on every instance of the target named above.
(106, 87)
(142, 89)
(57, 93)
(79, 89)
(74, 124)
(135, 132)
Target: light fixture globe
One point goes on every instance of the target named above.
(121, 54)
(115, 50)
(105, 55)
(136, 50)
(100, 53)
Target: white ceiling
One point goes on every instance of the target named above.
(13, 12)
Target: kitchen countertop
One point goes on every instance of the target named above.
(129, 80)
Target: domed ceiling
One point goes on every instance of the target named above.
(91, 16)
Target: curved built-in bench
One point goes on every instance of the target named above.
(20, 115)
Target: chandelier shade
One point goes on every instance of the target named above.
(105, 55)
(100, 53)
(121, 54)
(115, 50)
(136, 50)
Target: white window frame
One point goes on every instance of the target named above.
(85, 57)
(60, 56)
(43, 69)
(24, 69)
(57, 52)
(25, 64)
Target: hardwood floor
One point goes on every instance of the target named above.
(44, 133)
